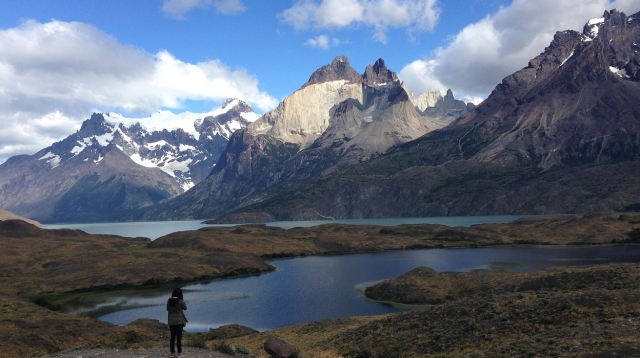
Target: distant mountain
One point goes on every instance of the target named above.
(114, 164)
(578, 103)
(562, 135)
(338, 119)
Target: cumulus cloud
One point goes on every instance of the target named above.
(483, 53)
(53, 74)
(323, 42)
(380, 15)
(179, 8)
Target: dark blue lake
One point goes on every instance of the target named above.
(323, 287)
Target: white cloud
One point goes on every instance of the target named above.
(415, 15)
(483, 53)
(179, 8)
(418, 76)
(323, 42)
(53, 74)
(229, 7)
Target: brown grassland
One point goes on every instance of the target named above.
(589, 311)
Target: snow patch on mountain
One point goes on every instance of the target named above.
(251, 117)
(619, 71)
(156, 145)
(187, 121)
(145, 162)
(594, 27)
(173, 143)
(52, 159)
(568, 57)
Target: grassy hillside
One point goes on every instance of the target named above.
(43, 269)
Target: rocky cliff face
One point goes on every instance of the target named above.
(574, 104)
(302, 117)
(378, 74)
(338, 70)
(428, 99)
(335, 120)
(559, 136)
(110, 166)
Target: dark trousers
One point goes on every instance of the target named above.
(176, 333)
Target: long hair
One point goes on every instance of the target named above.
(177, 293)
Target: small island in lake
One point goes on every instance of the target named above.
(564, 311)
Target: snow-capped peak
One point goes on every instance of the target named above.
(230, 103)
(187, 121)
(594, 27)
(180, 144)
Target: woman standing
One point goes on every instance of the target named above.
(177, 320)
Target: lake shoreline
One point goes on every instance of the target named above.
(66, 260)
(349, 241)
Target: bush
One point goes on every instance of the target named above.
(197, 340)
(223, 347)
(43, 302)
(633, 236)
(240, 349)
(132, 337)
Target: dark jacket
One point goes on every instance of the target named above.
(175, 307)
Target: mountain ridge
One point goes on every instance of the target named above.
(559, 136)
(332, 122)
(113, 164)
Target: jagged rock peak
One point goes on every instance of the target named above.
(611, 23)
(428, 99)
(378, 74)
(339, 69)
(236, 104)
(96, 125)
(232, 101)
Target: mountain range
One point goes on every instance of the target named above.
(561, 135)
(113, 164)
(337, 120)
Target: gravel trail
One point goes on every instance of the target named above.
(187, 352)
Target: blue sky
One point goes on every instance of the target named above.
(62, 60)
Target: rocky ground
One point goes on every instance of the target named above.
(131, 353)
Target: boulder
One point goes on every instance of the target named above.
(279, 348)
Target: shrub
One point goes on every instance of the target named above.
(197, 341)
(633, 236)
(43, 302)
(223, 347)
(132, 337)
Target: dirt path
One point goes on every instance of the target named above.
(188, 352)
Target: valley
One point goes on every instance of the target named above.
(55, 271)
(559, 138)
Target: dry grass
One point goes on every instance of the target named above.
(37, 263)
(571, 312)
(308, 338)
